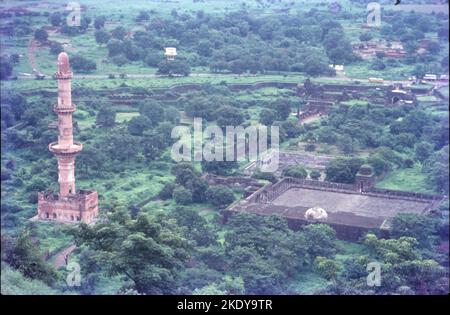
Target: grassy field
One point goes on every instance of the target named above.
(427, 98)
(153, 82)
(407, 179)
(355, 103)
(361, 70)
(124, 117)
(444, 90)
(307, 283)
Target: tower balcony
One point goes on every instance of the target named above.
(64, 110)
(63, 75)
(75, 148)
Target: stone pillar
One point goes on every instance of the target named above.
(65, 149)
(65, 126)
(66, 175)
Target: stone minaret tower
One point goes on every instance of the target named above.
(65, 149)
(69, 205)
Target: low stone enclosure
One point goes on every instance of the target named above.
(350, 210)
(322, 97)
(248, 184)
(330, 92)
(292, 158)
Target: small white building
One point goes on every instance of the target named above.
(443, 77)
(170, 53)
(430, 77)
(337, 67)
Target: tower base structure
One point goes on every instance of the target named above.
(75, 208)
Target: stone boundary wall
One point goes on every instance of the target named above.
(406, 195)
(271, 191)
(232, 86)
(417, 90)
(242, 181)
(160, 93)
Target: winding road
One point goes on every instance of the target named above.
(63, 256)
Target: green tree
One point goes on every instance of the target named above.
(403, 263)
(343, 170)
(102, 36)
(321, 240)
(55, 19)
(41, 35)
(56, 48)
(22, 253)
(327, 268)
(228, 116)
(167, 190)
(106, 117)
(99, 22)
(219, 195)
(182, 195)
(265, 176)
(174, 67)
(315, 175)
(264, 251)
(152, 58)
(295, 171)
(282, 108)
(119, 60)
(153, 144)
(218, 167)
(115, 47)
(153, 111)
(364, 37)
(148, 250)
(137, 125)
(119, 32)
(267, 116)
(423, 150)
(5, 68)
(436, 167)
(291, 128)
(82, 64)
(346, 144)
(423, 228)
(198, 229)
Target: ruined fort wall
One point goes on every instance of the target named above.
(271, 191)
(241, 181)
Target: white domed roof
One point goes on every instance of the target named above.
(316, 213)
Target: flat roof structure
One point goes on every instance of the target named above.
(345, 205)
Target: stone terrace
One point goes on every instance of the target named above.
(349, 210)
(356, 203)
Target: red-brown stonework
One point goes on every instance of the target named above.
(69, 205)
(79, 207)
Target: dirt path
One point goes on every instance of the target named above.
(60, 258)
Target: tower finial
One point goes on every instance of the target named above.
(63, 63)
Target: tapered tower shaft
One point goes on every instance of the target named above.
(65, 149)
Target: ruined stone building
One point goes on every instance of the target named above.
(322, 98)
(351, 210)
(70, 204)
